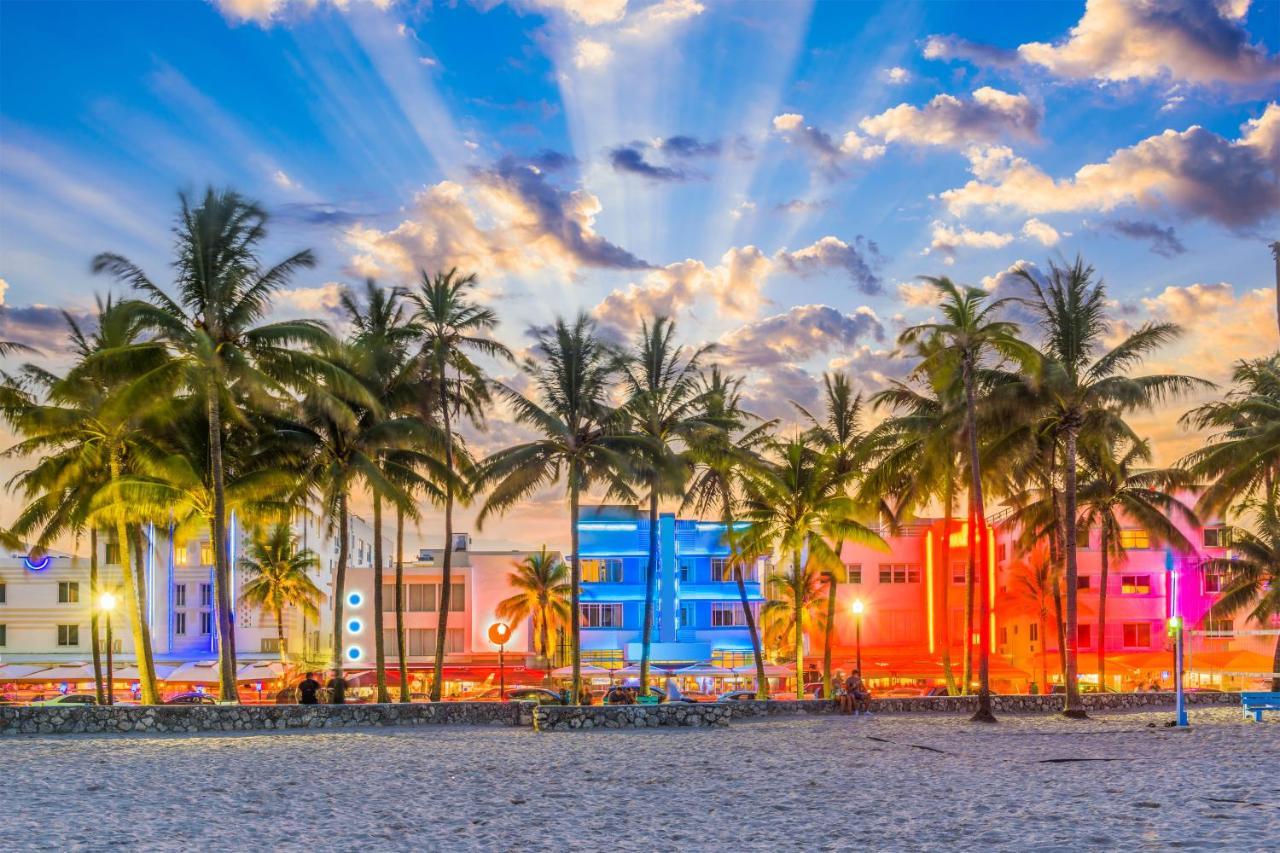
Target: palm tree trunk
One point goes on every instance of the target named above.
(798, 611)
(650, 586)
(133, 606)
(762, 683)
(1102, 615)
(280, 645)
(969, 598)
(1073, 708)
(977, 543)
(1044, 649)
(829, 628)
(1061, 627)
(98, 688)
(948, 512)
(340, 581)
(223, 593)
(446, 565)
(379, 647)
(400, 632)
(575, 588)
(145, 656)
(1275, 668)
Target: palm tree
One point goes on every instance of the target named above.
(1113, 490)
(723, 453)
(276, 577)
(795, 606)
(797, 505)
(969, 336)
(1081, 391)
(1240, 461)
(1253, 573)
(664, 408)
(581, 438)
(1036, 586)
(452, 327)
(542, 581)
(219, 353)
(82, 428)
(838, 431)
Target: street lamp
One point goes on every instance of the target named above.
(499, 633)
(857, 612)
(107, 604)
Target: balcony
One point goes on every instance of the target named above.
(724, 591)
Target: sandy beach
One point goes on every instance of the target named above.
(881, 783)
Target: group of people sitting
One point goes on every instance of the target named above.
(853, 694)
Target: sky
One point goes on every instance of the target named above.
(774, 175)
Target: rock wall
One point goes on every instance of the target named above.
(562, 718)
(968, 704)
(182, 719)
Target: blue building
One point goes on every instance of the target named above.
(698, 615)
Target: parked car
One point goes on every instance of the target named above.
(191, 699)
(613, 694)
(541, 695)
(738, 696)
(903, 693)
(67, 699)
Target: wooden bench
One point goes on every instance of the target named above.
(1256, 703)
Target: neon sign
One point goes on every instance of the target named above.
(37, 565)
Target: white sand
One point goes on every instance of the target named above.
(816, 783)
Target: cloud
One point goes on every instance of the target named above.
(687, 146)
(4, 288)
(954, 47)
(1042, 231)
(284, 181)
(41, 327)
(798, 335)
(733, 286)
(590, 53)
(1164, 241)
(743, 209)
(948, 239)
(801, 205)
(988, 116)
(1008, 284)
(630, 160)
(324, 300)
(918, 294)
(601, 28)
(831, 155)
(1197, 41)
(592, 13)
(860, 260)
(268, 12)
(1189, 304)
(897, 76)
(505, 219)
(1194, 173)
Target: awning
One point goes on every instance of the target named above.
(129, 672)
(771, 670)
(20, 671)
(705, 670)
(588, 671)
(634, 669)
(205, 672)
(61, 672)
(1243, 661)
(263, 670)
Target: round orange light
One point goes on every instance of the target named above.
(499, 633)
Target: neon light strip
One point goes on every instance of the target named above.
(151, 577)
(991, 576)
(928, 586)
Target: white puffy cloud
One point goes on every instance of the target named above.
(591, 53)
(592, 13)
(859, 260)
(1045, 233)
(897, 76)
(600, 29)
(954, 47)
(830, 154)
(1199, 41)
(948, 239)
(283, 181)
(1195, 173)
(324, 300)
(988, 116)
(918, 293)
(266, 12)
(799, 334)
(4, 288)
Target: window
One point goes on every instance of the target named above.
(1214, 580)
(457, 598)
(602, 615)
(180, 595)
(181, 555)
(454, 641)
(1001, 552)
(68, 635)
(1134, 539)
(422, 597)
(270, 645)
(68, 592)
(1082, 537)
(1084, 636)
(1003, 635)
(388, 598)
(684, 616)
(853, 572)
(602, 571)
(180, 624)
(4, 635)
(1217, 537)
(206, 595)
(4, 592)
(958, 572)
(417, 641)
(1135, 584)
(1219, 626)
(1137, 635)
(899, 573)
(1084, 582)
(111, 554)
(727, 614)
(206, 622)
(685, 571)
(1033, 632)
(206, 554)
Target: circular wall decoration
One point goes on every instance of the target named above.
(355, 599)
(355, 626)
(39, 564)
(354, 653)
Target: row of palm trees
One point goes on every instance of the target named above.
(186, 405)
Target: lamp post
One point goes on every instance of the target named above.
(106, 604)
(857, 629)
(1176, 630)
(499, 633)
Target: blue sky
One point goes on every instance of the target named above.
(776, 175)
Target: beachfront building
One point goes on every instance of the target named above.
(698, 613)
(479, 581)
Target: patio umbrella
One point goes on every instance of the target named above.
(263, 670)
(63, 672)
(705, 669)
(771, 670)
(129, 672)
(20, 671)
(203, 672)
(587, 671)
(634, 669)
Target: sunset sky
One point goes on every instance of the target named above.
(773, 174)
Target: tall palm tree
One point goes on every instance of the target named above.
(1114, 490)
(276, 577)
(219, 351)
(1253, 573)
(797, 505)
(453, 328)
(1240, 461)
(970, 335)
(794, 607)
(1035, 586)
(664, 408)
(1083, 388)
(82, 429)
(542, 581)
(723, 453)
(838, 431)
(581, 438)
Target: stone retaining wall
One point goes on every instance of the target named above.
(1021, 704)
(562, 718)
(185, 719)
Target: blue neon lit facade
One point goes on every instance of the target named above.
(698, 615)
